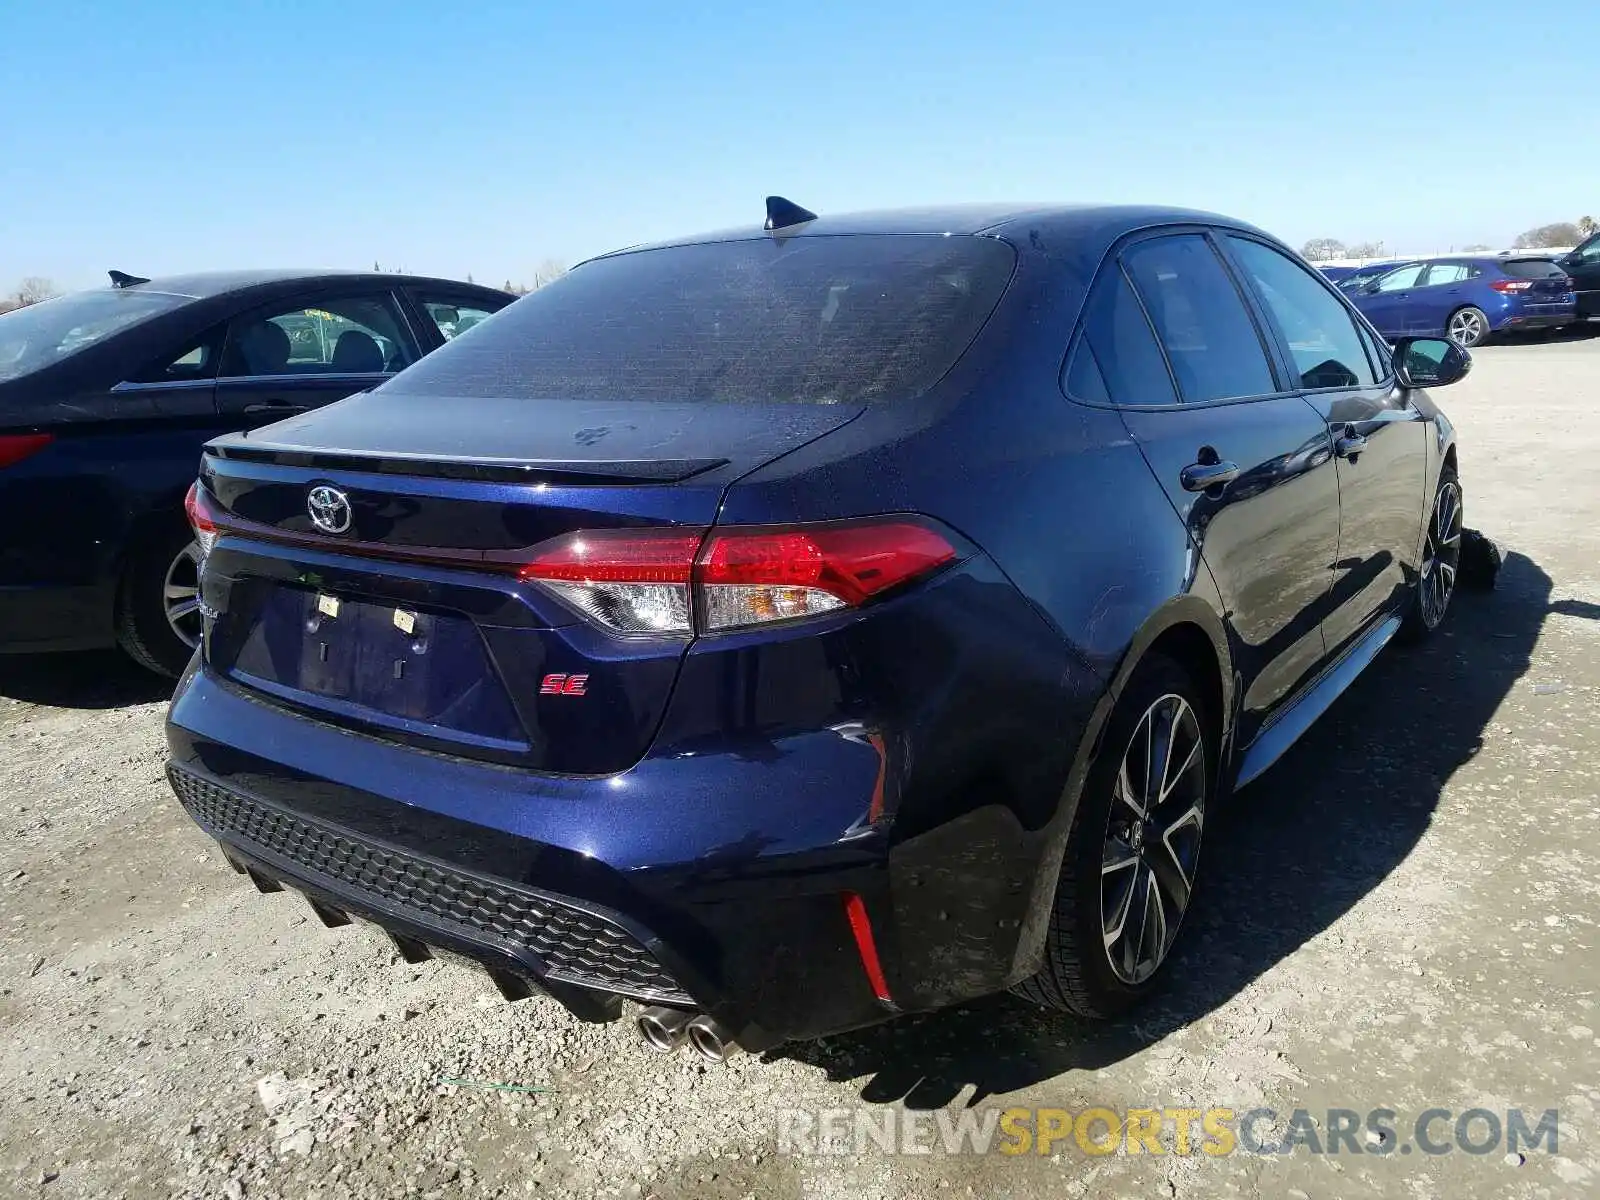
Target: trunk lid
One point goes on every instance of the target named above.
(410, 620)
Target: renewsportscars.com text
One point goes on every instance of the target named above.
(1099, 1130)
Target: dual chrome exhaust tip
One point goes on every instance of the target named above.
(665, 1029)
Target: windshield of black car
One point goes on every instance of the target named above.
(813, 319)
(1532, 268)
(44, 333)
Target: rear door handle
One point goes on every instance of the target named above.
(277, 408)
(1201, 476)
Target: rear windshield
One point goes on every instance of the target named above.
(816, 320)
(36, 336)
(1532, 268)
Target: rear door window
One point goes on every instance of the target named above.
(1322, 336)
(197, 360)
(1208, 334)
(811, 320)
(1439, 273)
(349, 335)
(1116, 359)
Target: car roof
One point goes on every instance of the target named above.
(203, 285)
(1064, 220)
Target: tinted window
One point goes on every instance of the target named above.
(1588, 251)
(1200, 318)
(196, 361)
(1532, 268)
(1085, 381)
(353, 335)
(1117, 356)
(44, 333)
(1403, 278)
(452, 319)
(819, 320)
(1322, 336)
(1446, 273)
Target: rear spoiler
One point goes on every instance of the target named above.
(552, 471)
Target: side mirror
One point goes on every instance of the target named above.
(1367, 288)
(445, 314)
(1430, 362)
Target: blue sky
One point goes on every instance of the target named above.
(475, 136)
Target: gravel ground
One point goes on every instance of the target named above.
(1402, 914)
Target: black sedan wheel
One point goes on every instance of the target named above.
(1152, 840)
(158, 612)
(1129, 869)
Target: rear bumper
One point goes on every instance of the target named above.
(50, 617)
(718, 884)
(1515, 321)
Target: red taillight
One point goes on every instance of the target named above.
(647, 581)
(14, 447)
(617, 556)
(630, 581)
(197, 506)
(749, 577)
(1511, 285)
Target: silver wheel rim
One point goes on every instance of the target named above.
(1466, 327)
(180, 595)
(1441, 556)
(1152, 842)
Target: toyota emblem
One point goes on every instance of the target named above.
(329, 509)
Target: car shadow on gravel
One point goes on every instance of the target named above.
(1567, 333)
(91, 679)
(1285, 859)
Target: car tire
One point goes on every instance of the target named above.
(161, 577)
(1468, 327)
(1439, 571)
(1087, 971)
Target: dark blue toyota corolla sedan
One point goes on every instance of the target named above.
(793, 627)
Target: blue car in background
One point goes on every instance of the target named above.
(1468, 299)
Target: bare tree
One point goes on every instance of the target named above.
(548, 271)
(1561, 233)
(1587, 226)
(1322, 249)
(1365, 250)
(34, 289)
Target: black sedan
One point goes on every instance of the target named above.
(106, 397)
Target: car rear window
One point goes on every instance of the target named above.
(1532, 268)
(41, 334)
(818, 320)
